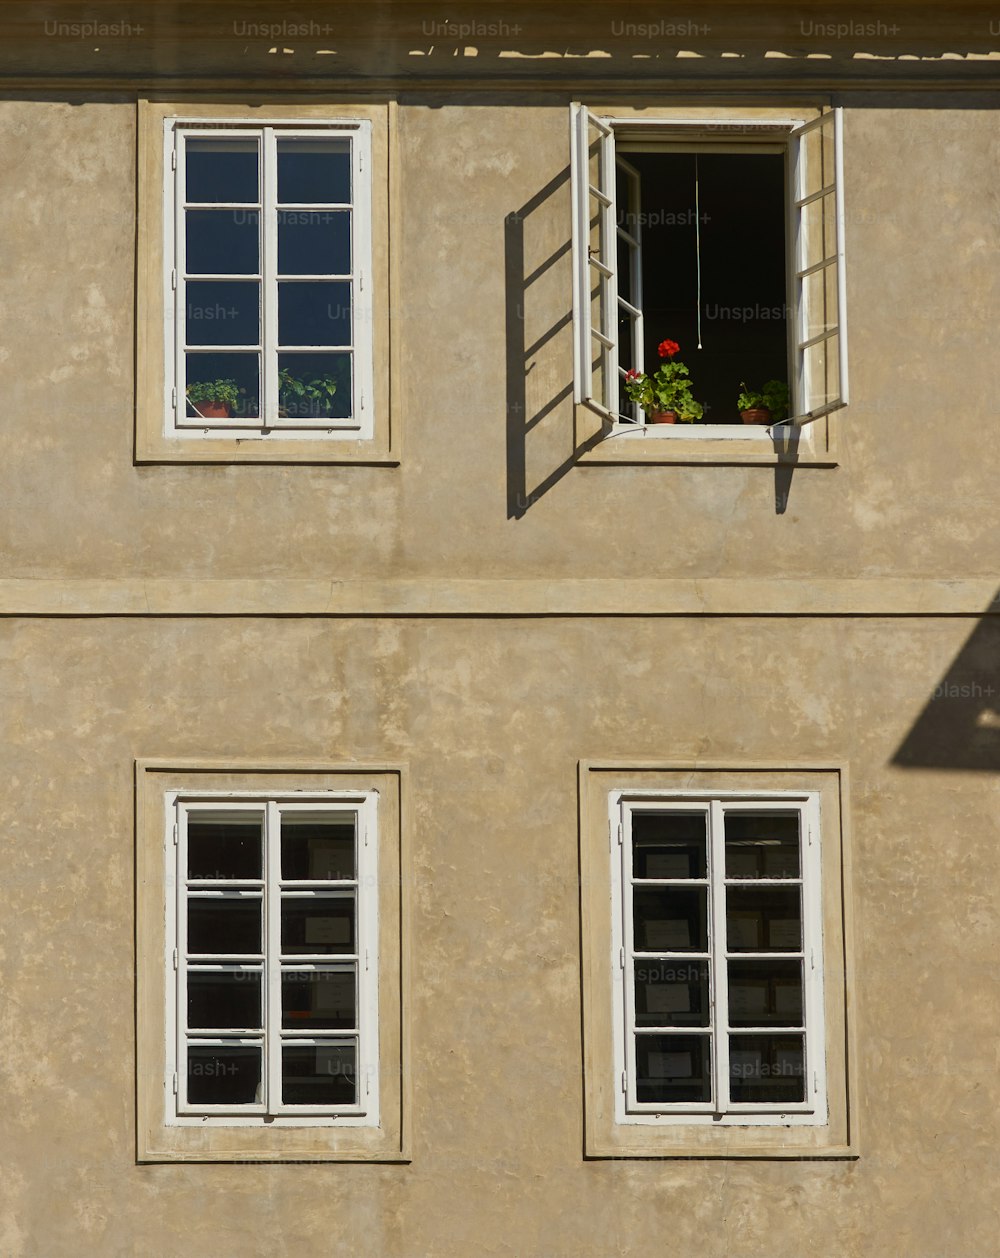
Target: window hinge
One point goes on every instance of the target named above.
(175, 1083)
(173, 279)
(621, 958)
(812, 958)
(175, 959)
(624, 1082)
(173, 159)
(621, 834)
(815, 1080)
(173, 404)
(366, 960)
(175, 823)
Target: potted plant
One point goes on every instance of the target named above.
(768, 406)
(214, 399)
(310, 398)
(665, 396)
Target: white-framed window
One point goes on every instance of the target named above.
(268, 319)
(272, 955)
(754, 209)
(718, 952)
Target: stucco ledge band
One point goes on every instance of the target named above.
(435, 596)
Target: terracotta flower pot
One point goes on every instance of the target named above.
(756, 415)
(211, 410)
(661, 417)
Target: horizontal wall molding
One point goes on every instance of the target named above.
(495, 599)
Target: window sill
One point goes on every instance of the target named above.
(273, 446)
(709, 443)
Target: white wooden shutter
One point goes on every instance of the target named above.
(595, 280)
(818, 324)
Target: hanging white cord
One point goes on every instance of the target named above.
(697, 243)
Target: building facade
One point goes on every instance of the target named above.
(447, 811)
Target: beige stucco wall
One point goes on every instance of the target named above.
(492, 718)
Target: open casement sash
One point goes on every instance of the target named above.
(818, 325)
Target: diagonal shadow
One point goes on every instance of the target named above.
(959, 725)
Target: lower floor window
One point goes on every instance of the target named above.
(718, 942)
(274, 949)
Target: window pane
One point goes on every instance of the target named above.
(314, 386)
(314, 243)
(222, 312)
(227, 926)
(762, 846)
(671, 919)
(671, 993)
(322, 1074)
(224, 849)
(233, 372)
(318, 998)
(221, 170)
(766, 1068)
(763, 919)
(765, 993)
(318, 924)
(669, 845)
(314, 313)
(226, 1000)
(312, 847)
(314, 171)
(673, 1068)
(222, 242)
(223, 1075)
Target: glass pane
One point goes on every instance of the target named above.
(314, 243)
(227, 1000)
(822, 368)
(314, 313)
(222, 386)
(223, 1075)
(314, 171)
(671, 993)
(314, 386)
(222, 312)
(318, 998)
(820, 295)
(767, 1068)
(224, 849)
(227, 926)
(321, 1074)
(763, 919)
(765, 993)
(669, 845)
(318, 924)
(762, 846)
(670, 919)
(222, 242)
(673, 1068)
(314, 847)
(221, 170)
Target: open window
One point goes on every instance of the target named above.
(725, 236)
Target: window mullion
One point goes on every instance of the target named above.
(269, 277)
(180, 944)
(272, 954)
(717, 946)
(179, 282)
(626, 950)
(795, 253)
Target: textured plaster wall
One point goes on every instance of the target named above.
(913, 495)
(492, 718)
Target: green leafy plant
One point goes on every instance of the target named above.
(223, 391)
(773, 395)
(668, 389)
(298, 396)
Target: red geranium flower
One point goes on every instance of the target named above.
(631, 375)
(667, 349)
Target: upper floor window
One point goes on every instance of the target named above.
(725, 238)
(269, 253)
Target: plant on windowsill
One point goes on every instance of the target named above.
(665, 396)
(214, 399)
(309, 398)
(769, 406)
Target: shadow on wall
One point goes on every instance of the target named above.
(959, 726)
(541, 435)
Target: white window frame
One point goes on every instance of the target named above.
(590, 133)
(364, 807)
(269, 425)
(813, 1111)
